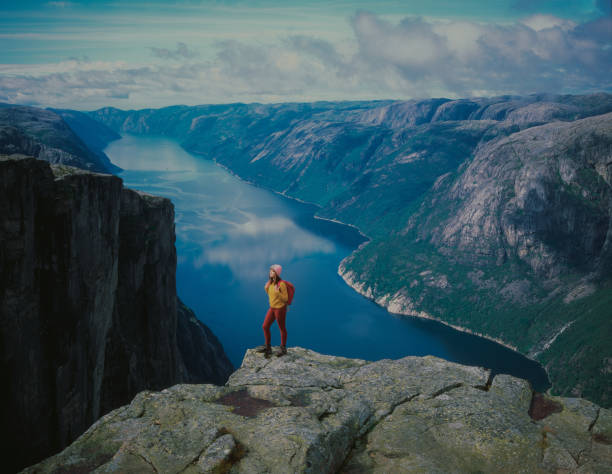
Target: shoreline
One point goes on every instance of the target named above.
(426, 316)
(358, 288)
(422, 314)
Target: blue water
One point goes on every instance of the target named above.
(229, 232)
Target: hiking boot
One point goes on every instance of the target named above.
(266, 350)
(282, 351)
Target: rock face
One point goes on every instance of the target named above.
(45, 135)
(542, 195)
(94, 134)
(88, 304)
(308, 412)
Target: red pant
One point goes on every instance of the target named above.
(277, 314)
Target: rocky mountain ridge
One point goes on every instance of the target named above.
(43, 134)
(312, 413)
(88, 307)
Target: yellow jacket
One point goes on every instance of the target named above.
(278, 297)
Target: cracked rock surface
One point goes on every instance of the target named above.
(308, 412)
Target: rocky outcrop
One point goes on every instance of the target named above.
(43, 134)
(88, 304)
(308, 412)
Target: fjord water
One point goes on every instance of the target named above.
(229, 232)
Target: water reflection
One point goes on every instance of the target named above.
(164, 157)
(229, 232)
(250, 246)
(214, 223)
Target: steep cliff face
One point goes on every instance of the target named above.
(542, 195)
(88, 303)
(490, 214)
(94, 134)
(43, 134)
(202, 353)
(312, 413)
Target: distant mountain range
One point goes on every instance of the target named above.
(493, 215)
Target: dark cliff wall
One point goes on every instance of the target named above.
(88, 304)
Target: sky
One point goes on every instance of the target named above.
(136, 54)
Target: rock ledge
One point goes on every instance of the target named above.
(308, 412)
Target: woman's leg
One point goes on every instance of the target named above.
(281, 314)
(266, 325)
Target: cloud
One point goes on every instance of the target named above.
(249, 246)
(414, 57)
(315, 47)
(181, 52)
(411, 45)
(464, 58)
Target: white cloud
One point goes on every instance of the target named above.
(250, 245)
(412, 43)
(464, 57)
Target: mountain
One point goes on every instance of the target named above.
(516, 244)
(307, 412)
(45, 135)
(94, 134)
(489, 214)
(89, 314)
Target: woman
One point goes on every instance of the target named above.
(278, 296)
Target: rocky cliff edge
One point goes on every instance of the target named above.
(308, 412)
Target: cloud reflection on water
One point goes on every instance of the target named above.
(214, 224)
(127, 153)
(249, 246)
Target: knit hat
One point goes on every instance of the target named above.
(277, 268)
